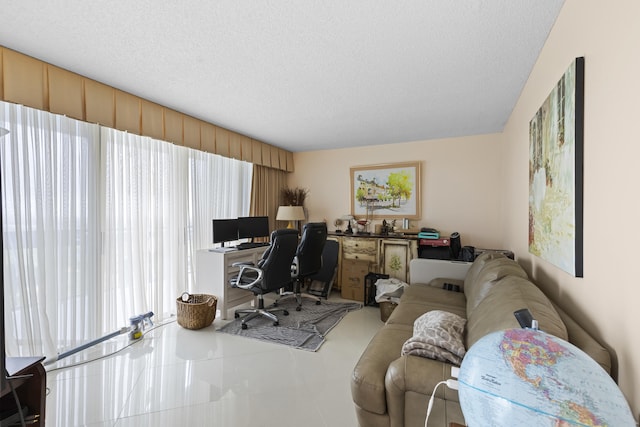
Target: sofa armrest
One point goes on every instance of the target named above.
(415, 375)
(424, 270)
(368, 376)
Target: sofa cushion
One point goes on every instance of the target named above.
(442, 282)
(492, 272)
(418, 299)
(437, 335)
(511, 293)
(428, 293)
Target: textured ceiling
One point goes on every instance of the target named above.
(302, 75)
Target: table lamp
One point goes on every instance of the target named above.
(291, 214)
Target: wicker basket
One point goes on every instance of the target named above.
(196, 311)
(386, 308)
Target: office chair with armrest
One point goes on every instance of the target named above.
(272, 272)
(308, 259)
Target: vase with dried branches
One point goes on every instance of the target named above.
(294, 196)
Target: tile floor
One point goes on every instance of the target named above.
(179, 377)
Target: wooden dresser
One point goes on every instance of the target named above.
(375, 253)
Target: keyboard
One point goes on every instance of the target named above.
(251, 245)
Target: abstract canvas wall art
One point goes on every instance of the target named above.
(556, 154)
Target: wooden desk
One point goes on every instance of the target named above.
(30, 384)
(384, 254)
(215, 268)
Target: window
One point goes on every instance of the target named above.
(100, 225)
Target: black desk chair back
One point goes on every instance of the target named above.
(272, 272)
(321, 283)
(308, 259)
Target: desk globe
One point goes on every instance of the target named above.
(525, 377)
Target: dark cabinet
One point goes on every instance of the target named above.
(29, 380)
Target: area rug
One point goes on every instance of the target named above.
(305, 329)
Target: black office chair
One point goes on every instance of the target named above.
(272, 273)
(308, 259)
(320, 284)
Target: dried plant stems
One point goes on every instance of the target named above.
(294, 196)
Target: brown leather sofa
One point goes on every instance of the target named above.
(393, 391)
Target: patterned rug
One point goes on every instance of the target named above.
(303, 329)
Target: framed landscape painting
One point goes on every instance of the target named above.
(556, 154)
(386, 191)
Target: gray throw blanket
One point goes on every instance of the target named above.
(437, 335)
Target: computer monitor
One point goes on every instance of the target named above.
(225, 230)
(253, 226)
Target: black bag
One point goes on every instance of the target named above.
(468, 253)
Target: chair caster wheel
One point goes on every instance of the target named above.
(318, 302)
(298, 308)
(286, 313)
(275, 303)
(236, 315)
(276, 323)
(244, 326)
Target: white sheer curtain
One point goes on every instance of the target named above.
(100, 225)
(159, 200)
(50, 232)
(144, 192)
(210, 177)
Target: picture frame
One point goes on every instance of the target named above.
(386, 191)
(556, 169)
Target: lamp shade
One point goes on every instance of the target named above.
(290, 213)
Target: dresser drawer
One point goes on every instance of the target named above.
(237, 295)
(360, 249)
(241, 256)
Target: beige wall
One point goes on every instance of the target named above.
(606, 300)
(479, 185)
(453, 171)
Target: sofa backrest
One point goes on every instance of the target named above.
(491, 272)
(585, 342)
(478, 265)
(495, 311)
